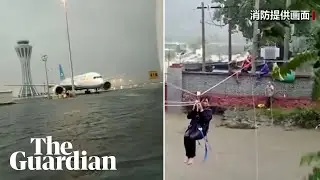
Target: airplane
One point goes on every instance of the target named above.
(91, 80)
(87, 81)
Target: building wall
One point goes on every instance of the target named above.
(174, 82)
(195, 81)
(228, 92)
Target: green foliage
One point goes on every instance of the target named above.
(306, 4)
(302, 28)
(298, 60)
(240, 14)
(308, 118)
(278, 115)
(312, 159)
(316, 84)
(312, 55)
(273, 31)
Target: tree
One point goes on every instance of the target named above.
(309, 159)
(313, 54)
(273, 31)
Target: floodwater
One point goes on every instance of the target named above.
(268, 153)
(126, 124)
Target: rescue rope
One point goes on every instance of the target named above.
(255, 119)
(184, 90)
(173, 105)
(223, 81)
(179, 102)
(204, 92)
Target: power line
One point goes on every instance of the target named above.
(202, 7)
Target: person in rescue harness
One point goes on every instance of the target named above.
(200, 116)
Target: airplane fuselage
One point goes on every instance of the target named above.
(91, 80)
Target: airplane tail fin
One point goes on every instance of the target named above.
(62, 77)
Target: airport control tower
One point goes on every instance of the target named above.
(24, 51)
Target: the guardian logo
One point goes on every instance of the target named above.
(63, 158)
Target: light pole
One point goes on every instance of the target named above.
(44, 58)
(69, 45)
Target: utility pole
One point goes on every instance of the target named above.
(203, 36)
(255, 39)
(69, 47)
(44, 58)
(229, 37)
(286, 38)
(229, 31)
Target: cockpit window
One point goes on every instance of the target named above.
(96, 77)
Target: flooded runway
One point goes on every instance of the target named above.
(126, 124)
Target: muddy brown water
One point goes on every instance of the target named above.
(234, 154)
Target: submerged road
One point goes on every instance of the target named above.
(233, 154)
(126, 124)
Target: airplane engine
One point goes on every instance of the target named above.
(106, 85)
(58, 90)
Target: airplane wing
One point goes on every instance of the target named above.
(50, 85)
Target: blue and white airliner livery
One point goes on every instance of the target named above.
(87, 81)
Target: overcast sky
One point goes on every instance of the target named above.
(107, 36)
(182, 23)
